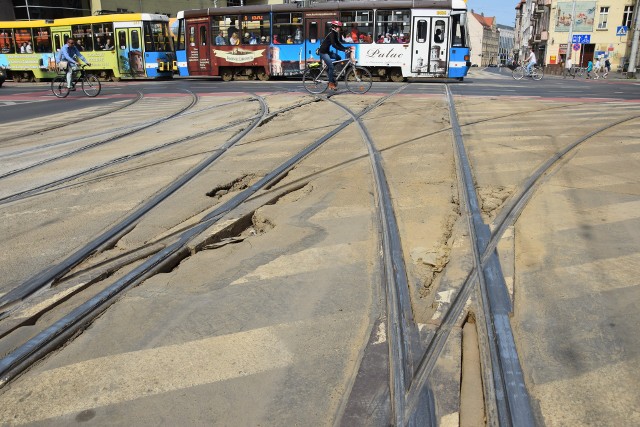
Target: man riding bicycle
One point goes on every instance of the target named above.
(328, 56)
(68, 53)
(532, 61)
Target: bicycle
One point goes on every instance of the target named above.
(520, 71)
(89, 83)
(357, 79)
(578, 71)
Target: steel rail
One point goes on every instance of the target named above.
(42, 188)
(22, 357)
(193, 102)
(403, 332)
(516, 204)
(61, 125)
(511, 397)
(49, 275)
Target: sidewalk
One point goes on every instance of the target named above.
(552, 73)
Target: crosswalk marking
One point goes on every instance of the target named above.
(129, 376)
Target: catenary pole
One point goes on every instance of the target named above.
(633, 57)
(570, 41)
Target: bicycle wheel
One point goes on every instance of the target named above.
(358, 80)
(537, 73)
(91, 85)
(518, 73)
(315, 80)
(59, 86)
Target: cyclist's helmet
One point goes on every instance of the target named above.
(336, 24)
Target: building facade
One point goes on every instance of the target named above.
(596, 28)
(484, 37)
(505, 44)
(601, 29)
(43, 9)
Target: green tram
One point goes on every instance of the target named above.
(122, 46)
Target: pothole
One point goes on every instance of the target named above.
(238, 184)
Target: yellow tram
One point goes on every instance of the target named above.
(121, 46)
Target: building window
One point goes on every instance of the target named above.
(627, 17)
(604, 16)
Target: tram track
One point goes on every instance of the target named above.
(412, 379)
(61, 125)
(58, 183)
(19, 359)
(505, 391)
(117, 136)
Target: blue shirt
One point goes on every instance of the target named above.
(67, 53)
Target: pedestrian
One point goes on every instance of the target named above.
(567, 69)
(596, 69)
(607, 68)
(589, 69)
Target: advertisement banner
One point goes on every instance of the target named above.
(583, 20)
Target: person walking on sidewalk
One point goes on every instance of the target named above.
(607, 68)
(589, 69)
(596, 69)
(566, 71)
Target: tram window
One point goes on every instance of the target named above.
(287, 28)
(313, 31)
(103, 34)
(439, 31)
(458, 32)
(135, 39)
(42, 36)
(192, 36)
(83, 35)
(358, 26)
(421, 31)
(228, 24)
(203, 35)
(6, 40)
(180, 35)
(122, 39)
(256, 29)
(156, 36)
(24, 42)
(393, 26)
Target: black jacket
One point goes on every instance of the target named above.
(332, 39)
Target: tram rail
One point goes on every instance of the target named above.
(507, 402)
(101, 113)
(26, 354)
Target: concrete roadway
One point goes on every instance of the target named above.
(22, 101)
(575, 277)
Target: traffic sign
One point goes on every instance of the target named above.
(581, 38)
(622, 30)
(576, 46)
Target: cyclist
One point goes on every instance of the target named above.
(327, 56)
(69, 53)
(532, 61)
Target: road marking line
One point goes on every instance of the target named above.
(125, 377)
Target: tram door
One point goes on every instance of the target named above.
(129, 48)
(316, 30)
(60, 37)
(429, 44)
(198, 51)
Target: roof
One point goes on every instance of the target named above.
(486, 21)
